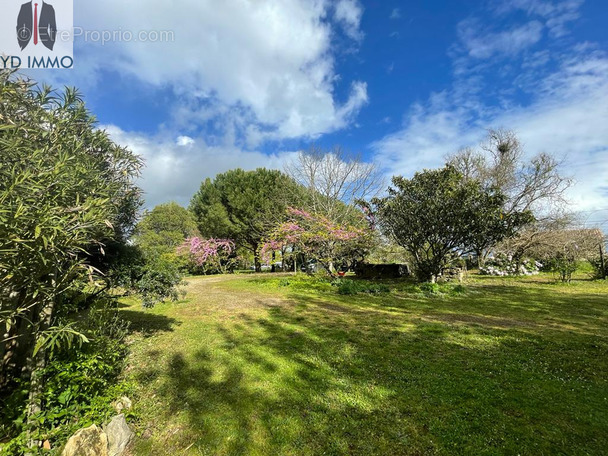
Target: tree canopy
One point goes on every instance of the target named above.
(65, 190)
(164, 228)
(438, 214)
(242, 206)
(533, 184)
(529, 184)
(68, 205)
(319, 239)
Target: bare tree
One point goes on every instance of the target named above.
(545, 239)
(335, 180)
(470, 163)
(535, 184)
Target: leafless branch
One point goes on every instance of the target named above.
(335, 179)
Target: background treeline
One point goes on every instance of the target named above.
(492, 207)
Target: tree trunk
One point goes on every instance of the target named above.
(37, 364)
(18, 348)
(329, 267)
(256, 259)
(603, 267)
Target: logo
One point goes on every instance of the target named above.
(41, 26)
(42, 37)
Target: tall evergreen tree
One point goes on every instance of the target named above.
(243, 206)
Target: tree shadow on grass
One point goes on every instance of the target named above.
(506, 306)
(351, 375)
(147, 323)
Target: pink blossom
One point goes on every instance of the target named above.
(204, 250)
(317, 238)
(298, 212)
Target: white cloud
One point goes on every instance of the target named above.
(566, 109)
(269, 64)
(184, 141)
(296, 122)
(484, 40)
(428, 133)
(396, 13)
(348, 13)
(556, 14)
(567, 118)
(483, 45)
(175, 168)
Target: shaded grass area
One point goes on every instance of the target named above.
(255, 365)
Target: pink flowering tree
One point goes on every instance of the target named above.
(210, 256)
(319, 239)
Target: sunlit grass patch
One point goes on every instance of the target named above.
(277, 364)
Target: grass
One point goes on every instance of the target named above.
(275, 365)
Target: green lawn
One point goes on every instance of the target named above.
(270, 365)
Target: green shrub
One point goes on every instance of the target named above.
(440, 290)
(599, 269)
(155, 279)
(352, 287)
(459, 289)
(159, 281)
(430, 288)
(80, 385)
(563, 266)
(347, 287)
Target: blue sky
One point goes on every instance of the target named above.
(248, 83)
